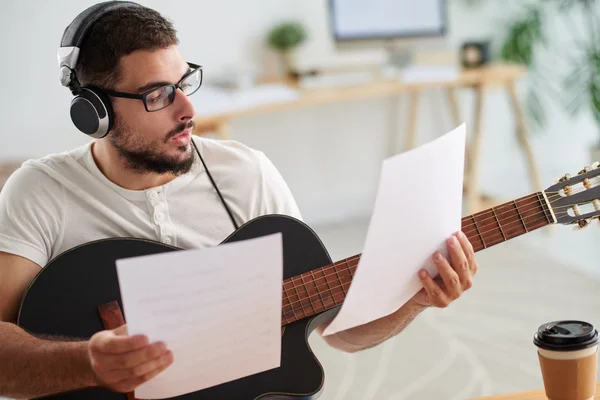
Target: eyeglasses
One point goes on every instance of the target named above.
(163, 96)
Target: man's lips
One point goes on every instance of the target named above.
(186, 132)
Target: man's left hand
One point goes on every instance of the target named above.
(455, 275)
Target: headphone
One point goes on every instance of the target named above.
(91, 109)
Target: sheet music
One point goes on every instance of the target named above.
(418, 207)
(217, 309)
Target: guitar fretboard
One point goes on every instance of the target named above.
(324, 288)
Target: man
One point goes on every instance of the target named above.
(144, 180)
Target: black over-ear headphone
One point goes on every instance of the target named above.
(91, 109)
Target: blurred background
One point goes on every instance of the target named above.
(330, 88)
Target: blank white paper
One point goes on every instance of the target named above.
(418, 207)
(218, 309)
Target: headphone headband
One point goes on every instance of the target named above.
(75, 33)
(91, 110)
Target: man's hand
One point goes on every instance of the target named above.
(123, 362)
(456, 274)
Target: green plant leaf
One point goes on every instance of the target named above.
(286, 36)
(535, 109)
(594, 92)
(523, 35)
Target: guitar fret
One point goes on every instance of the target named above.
(329, 287)
(547, 211)
(299, 298)
(499, 224)
(308, 294)
(339, 279)
(291, 306)
(520, 216)
(318, 291)
(286, 297)
(479, 232)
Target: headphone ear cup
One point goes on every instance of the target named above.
(91, 112)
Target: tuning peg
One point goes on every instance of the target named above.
(595, 165)
(564, 178)
(585, 170)
(581, 224)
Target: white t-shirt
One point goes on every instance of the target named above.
(55, 203)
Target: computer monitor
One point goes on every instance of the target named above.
(399, 26)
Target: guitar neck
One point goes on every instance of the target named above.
(324, 288)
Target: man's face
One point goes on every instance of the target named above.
(158, 141)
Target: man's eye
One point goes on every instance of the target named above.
(154, 96)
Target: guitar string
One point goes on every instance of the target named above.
(350, 259)
(327, 269)
(325, 286)
(551, 199)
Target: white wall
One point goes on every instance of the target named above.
(329, 155)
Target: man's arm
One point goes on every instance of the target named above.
(369, 335)
(33, 367)
(455, 277)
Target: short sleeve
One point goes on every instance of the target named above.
(31, 212)
(276, 196)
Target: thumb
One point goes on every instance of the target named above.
(121, 330)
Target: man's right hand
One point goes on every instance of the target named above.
(122, 363)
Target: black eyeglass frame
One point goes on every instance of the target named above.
(176, 86)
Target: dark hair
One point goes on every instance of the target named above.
(116, 34)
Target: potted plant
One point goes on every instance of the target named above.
(576, 89)
(285, 38)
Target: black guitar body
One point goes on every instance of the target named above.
(63, 299)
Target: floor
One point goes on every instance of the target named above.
(482, 344)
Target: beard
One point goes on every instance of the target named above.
(142, 156)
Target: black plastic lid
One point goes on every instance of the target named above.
(566, 336)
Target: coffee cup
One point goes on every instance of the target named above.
(568, 357)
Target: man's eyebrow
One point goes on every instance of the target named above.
(153, 85)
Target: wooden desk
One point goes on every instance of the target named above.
(532, 395)
(495, 75)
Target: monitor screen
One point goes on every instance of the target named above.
(387, 19)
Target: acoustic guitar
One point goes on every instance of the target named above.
(77, 293)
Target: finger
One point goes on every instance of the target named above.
(460, 264)
(118, 375)
(133, 358)
(449, 276)
(467, 247)
(129, 385)
(109, 342)
(437, 296)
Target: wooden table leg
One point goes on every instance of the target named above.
(392, 147)
(411, 132)
(521, 129)
(472, 174)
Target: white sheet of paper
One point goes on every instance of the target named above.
(218, 309)
(418, 207)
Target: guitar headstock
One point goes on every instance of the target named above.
(576, 199)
